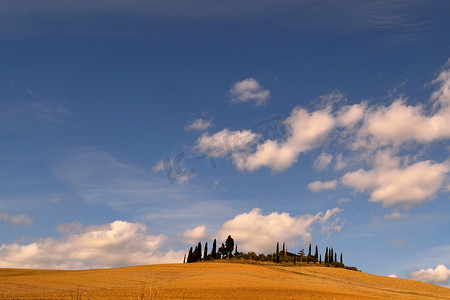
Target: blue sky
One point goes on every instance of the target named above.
(132, 129)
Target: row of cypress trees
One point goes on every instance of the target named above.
(330, 255)
(226, 250)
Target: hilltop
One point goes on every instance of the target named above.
(211, 280)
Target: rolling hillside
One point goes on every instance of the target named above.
(211, 280)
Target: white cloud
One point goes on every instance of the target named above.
(341, 162)
(16, 219)
(175, 170)
(395, 215)
(350, 115)
(401, 123)
(391, 183)
(226, 142)
(249, 90)
(322, 161)
(442, 95)
(393, 276)
(199, 124)
(438, 275)
(318, 186)
(305, 131)
(159, 166)
(329, 100)
(111, 245)
(254, 231)
(198, 234)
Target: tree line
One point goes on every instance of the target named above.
(228, 250)
(224, 251)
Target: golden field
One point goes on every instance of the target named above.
(211, 280)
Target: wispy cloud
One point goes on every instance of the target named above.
(199, 124)
(341, 200)
(28, 113)
(98, 177)
(16, 219)
(322, 161)
(395, 215)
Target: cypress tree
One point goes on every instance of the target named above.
(195, 254)
(205, 254)
(320, 259)
(189, 258)
(316, 255)
(213, 252)
(309, 252)
(284, 249)
(199, 254)
(184, 259)
(278, 253)
(335, 257)
(221, 252)
(341, 258)
(229, 246)
(330, 255)
(235, 251)
(326, 255)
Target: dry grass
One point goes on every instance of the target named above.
(211, 280)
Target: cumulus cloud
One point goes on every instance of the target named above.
(391, 183)
(16, 219)
(375, 133)
(249, 90)
(322, 161)
(195, 235)
(438, 275)
(116, 244)
(254, 231)
(305, 131)
(393, 276)
(199, 124)
(318, 186)
(401, 123)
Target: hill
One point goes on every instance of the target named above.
(211, 280)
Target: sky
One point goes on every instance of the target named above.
(131, 130)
